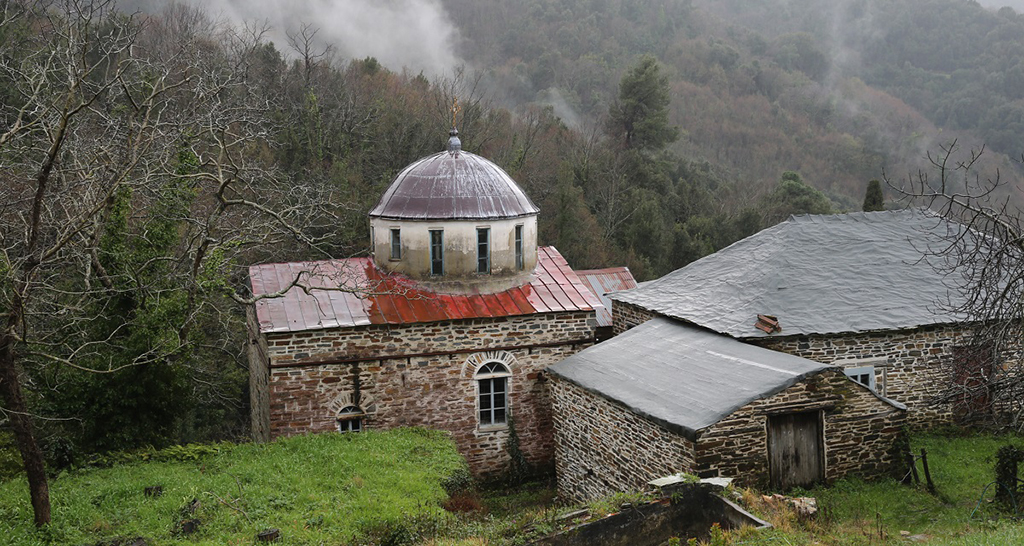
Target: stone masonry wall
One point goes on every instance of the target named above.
(602, 448)
(910, 365)
(259, 376)
(861, 432)
(627, 315)
(423, 375)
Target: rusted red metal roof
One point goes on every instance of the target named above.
(450, 185)
(353, 292)
(603, 281)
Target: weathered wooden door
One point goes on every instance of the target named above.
(795, 450)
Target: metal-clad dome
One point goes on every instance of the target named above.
(453, 185)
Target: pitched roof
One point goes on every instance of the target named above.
(453, 186)
(603, 281)
(353, 292)
(682, 377)
(818, 274)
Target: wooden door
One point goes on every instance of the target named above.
(795, 454)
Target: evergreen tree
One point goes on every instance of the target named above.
(873, 198)
(640, 115)
(794, 196)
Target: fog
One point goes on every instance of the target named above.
(996, 4)
(412, 34)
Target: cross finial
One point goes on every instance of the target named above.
(455, 111)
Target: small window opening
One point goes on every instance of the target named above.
(492, 379)
(483, 250)
(865, 375)
(396, 244)
(350, 419)
(436, 252)
(519, 248)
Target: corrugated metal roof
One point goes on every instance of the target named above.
(353, 292)
(603, 281)
(447, 186)
(682, 377)
(818, 274)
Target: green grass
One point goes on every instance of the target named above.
(858, 512)
(329, 488)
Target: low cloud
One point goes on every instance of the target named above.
(412, 34)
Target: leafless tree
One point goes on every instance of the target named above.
(103, 109)
(984, 258)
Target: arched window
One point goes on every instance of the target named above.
(350, 419)
(492, 399)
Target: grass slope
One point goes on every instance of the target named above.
(329, 488)
(858, 512)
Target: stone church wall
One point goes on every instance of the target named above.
(602, 447)
(423, 375)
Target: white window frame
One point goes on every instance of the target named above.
(857, 372)
(491, 373)
(350, 419)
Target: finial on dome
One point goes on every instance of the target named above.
(454, 144)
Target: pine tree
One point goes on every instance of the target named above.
(873, 198)
(640, 115)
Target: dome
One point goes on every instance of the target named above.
(453, 185)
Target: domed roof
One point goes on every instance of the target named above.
(453, 185)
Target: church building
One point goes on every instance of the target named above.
(449, 323)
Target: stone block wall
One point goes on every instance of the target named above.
(601, 447)
(627, 315)
(911, 366)
(423, 375)
(861, 432)
(259, 377)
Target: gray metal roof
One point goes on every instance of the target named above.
(819, 274)
(603, 281)
(453, 185)
(682, 377)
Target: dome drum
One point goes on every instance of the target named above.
(496, 252)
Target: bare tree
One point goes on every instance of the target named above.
(106, 116)
(984, 258)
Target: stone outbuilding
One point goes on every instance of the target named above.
(667, 397)
(868, 292)
(448, 325)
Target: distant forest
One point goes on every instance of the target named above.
(650, 133)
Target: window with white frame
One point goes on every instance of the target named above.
(865, 375)
(492, 394)
(350, 419)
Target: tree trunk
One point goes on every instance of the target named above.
(21, 423)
